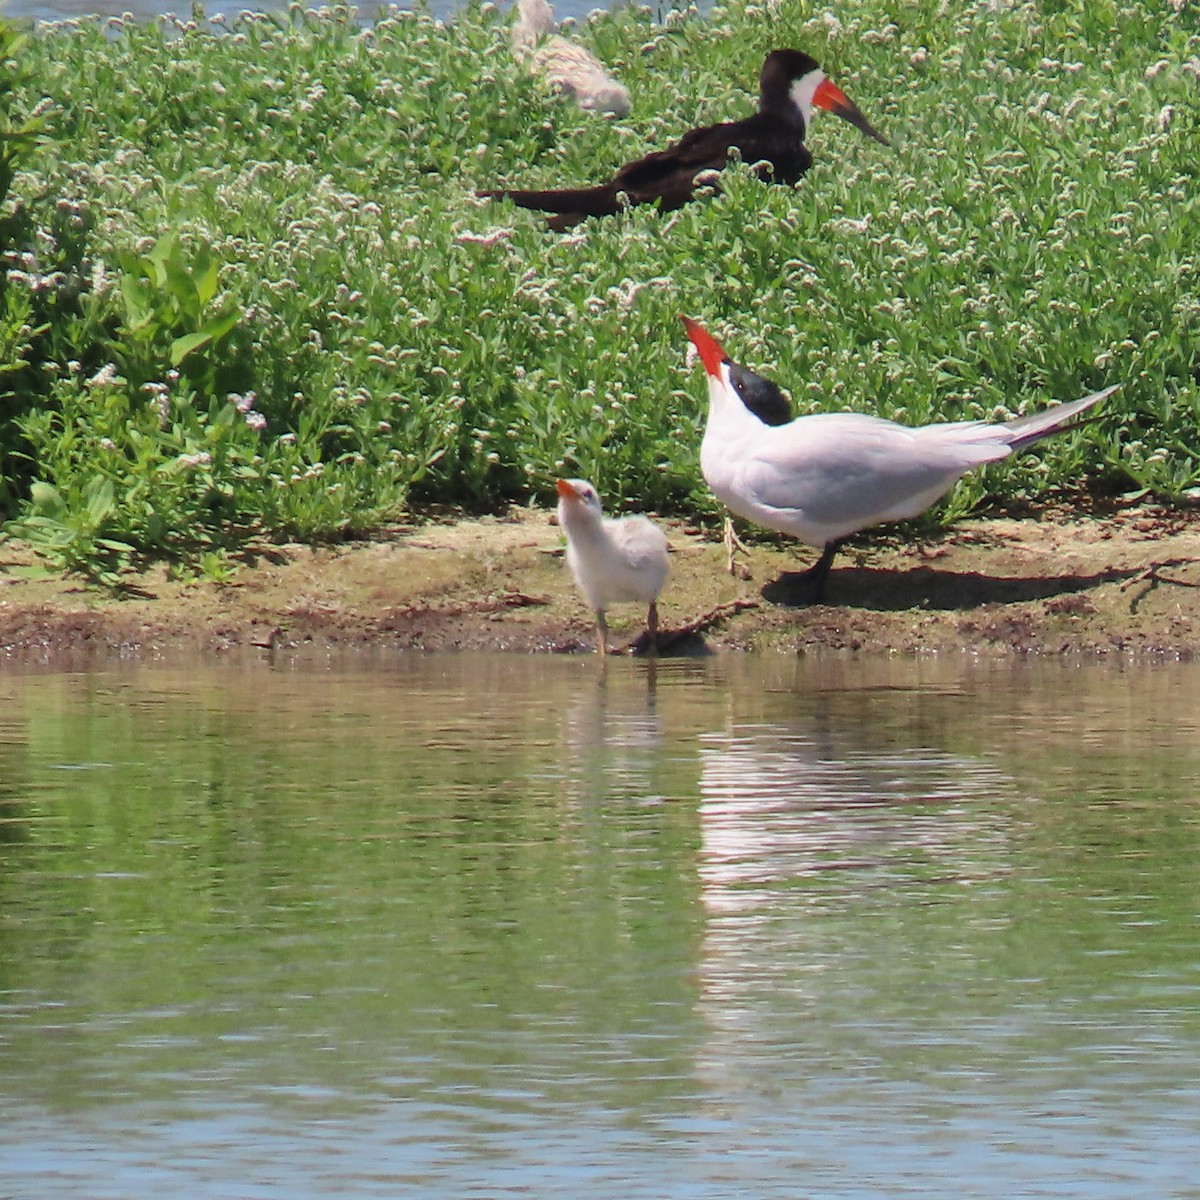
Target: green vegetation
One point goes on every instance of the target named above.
(247, 290)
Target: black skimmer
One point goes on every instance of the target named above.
(791, 85)
(612, 560)
(823, 477)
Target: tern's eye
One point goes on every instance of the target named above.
(762, 397)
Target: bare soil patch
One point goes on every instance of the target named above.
(1122, 581)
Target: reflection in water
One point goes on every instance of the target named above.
(778, 803)
(801, 823)
(614, 734)
(480, 926)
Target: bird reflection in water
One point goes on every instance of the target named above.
(801, 825)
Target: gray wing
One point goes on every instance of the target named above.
(851, 467)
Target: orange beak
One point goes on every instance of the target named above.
(711, 354)
(832, 99)
(566, 491)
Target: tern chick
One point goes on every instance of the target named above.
(613, 561)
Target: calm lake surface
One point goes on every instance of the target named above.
(497, 926)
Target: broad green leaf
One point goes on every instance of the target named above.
(99, 497)
(32, 571)
(46, 498)
(206, 280)
(183, 346)
(137, 302)
(221, 324)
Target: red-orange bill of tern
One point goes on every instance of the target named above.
(823, 477)
(612, 560)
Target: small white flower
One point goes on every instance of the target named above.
(491, 238)
(105, 377)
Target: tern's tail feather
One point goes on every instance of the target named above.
(1025, 431)
(567, 206)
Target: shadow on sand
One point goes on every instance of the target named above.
(930, 588)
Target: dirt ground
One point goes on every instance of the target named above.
(1123, 581)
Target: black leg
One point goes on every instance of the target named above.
(797, 588)
(652, 627)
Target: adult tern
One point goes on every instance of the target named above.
(823, 477)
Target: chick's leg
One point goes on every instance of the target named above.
(652, 628)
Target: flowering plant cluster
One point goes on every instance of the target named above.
(252, 291)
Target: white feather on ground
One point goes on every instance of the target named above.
(565, 64)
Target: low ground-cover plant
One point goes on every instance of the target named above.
(21, 134)
(257, 240)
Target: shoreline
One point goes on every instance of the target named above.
(1118, 582)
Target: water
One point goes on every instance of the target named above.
(485, 927)
(149, 10)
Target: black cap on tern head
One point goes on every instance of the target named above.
(762, 397)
